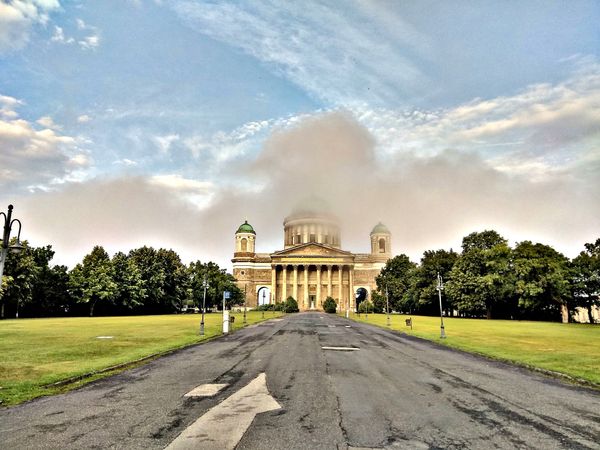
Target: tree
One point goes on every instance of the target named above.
(395, 277)
(379, 302)
(20, 271)
(586, 278)
(219, 281)
(542, 280)
(480, 280)
(131, 291)
(329, 305)
(482, 240)
(423, 291)
(92, 281)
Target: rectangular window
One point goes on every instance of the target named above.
(313, 238)
(299, 239)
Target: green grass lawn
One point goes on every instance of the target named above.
(571, 349)
(38, 352)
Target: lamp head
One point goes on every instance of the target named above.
(16, 248)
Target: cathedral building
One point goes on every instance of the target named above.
(312, 264)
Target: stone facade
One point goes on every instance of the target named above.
(312, 265)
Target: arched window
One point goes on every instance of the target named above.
(382, 245)
(244, 245)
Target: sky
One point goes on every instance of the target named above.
(169, 122)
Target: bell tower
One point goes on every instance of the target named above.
(381, 241)
(245, 238)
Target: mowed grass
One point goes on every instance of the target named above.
(571, 349)
(38, 352)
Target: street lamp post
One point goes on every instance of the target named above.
(16, 248)
(440, 286)
(205, 286)
(387, 305)
(263, 304)
(245, 286)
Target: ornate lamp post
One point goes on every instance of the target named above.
(387, 305)
(440, 286)
(205, 286)
(16, 248)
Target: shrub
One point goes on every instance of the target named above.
(365, 307)
(291, 305)
(265, 307)
(329, 305)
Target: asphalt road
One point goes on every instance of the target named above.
(393, 392)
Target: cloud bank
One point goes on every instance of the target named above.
(427, 202)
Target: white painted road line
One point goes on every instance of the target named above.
(222, 427)
(206, 390)
(341, 349)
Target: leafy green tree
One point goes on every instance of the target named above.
(92, 281)
(219, 281)
(423, 291)
(482, 240)
(395, 277)
(481, 279)
(379, 302)
(131, 291)
(542, 280)
(329, 305)
(586, 278)
(20, 271)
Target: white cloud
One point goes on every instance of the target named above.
(59, 36)
(84, 118)
(18, 16)
(33, 157)
(164, 142)
(47, 122)
(319, 47)
(125, 162)
(90, 42)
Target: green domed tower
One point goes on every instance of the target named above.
(381, 241)
(245, 238)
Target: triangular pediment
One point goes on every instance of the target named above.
(312, 249)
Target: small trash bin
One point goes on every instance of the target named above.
(231, 319)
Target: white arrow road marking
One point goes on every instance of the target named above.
(342, 349)
(223, 426)
(206, 390)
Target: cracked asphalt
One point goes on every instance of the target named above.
(394, 392)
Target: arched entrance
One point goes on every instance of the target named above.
(263, 296)
(361, 295)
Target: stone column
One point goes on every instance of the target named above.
(329, 281)
(273, 283)
(351, 286)
(340, 298)
(305, 287)
(284, 283)
(318, 301)
(295, 288)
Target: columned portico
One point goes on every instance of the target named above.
(318, 301)
(328, 281)
(295, 289)
(284, 284)
(312, 245)
(273, 284)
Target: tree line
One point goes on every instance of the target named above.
(490, 279)
(144, 281)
